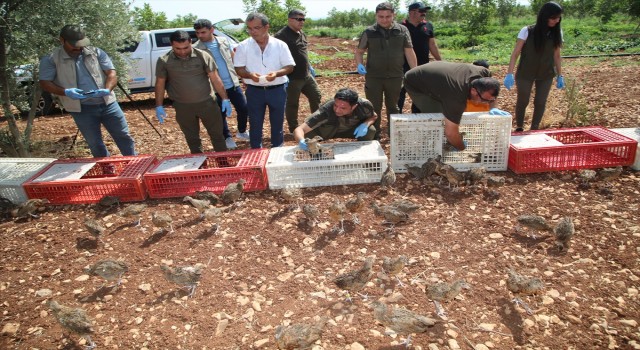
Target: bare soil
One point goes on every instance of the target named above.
(265, 267)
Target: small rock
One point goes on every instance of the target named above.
(453, 344)
(139, 320)
(145, 287)
(356, 346)
(284, 276)
(82, 278)
(435, 255)
(630, 323)
(451, 333)
(495, 235)
(260, 343)
(44, 293)
(481, 347)
(222, 325)
(10, 329)
(553, 293)
(487, 326)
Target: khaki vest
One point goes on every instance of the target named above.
(536, 65)
(225, 50)
(66, 75)
(385, 57)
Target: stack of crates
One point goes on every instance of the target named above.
(417, 137)
(84, 181)
(182, 175)
(351, 163)
(571, 149)
(632, 133)
(14, 172)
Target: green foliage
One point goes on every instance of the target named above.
(275, 10)
(183, 21)
(504, 9)
(478, 14)
(578, 113)
(347, 19)
(145, 19)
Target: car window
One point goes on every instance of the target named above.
(162, 39)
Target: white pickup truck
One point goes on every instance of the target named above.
(144, 54)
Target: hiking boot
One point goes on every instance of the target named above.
(230, 143)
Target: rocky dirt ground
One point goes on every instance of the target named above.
(265, 267)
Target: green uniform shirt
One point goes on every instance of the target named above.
(447, 82)
(187, 78)
(326, 116)
(385, 50)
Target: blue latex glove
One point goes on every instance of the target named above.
(509, 81)
(361, 69)
(560, 82)
(160, 114)
(312, 71)
(495, 111)
(75, 93)
(303, 145)
(99, 93)
(361, 130)
(464, 142)
(226, 108)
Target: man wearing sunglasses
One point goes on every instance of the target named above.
(445, 87)
(301, 80)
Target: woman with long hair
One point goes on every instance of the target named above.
(539, 49)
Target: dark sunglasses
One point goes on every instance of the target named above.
(300, 19)
(484, 100)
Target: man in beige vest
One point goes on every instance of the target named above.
(84, 77)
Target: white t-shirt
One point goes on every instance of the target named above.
(275, 56)
(524, 34)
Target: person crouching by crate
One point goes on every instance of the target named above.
(445, 87)
(347, 116)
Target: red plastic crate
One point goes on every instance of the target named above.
(583, 148)
(218, 170)
(110, 176)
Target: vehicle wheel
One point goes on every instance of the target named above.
(45, 105)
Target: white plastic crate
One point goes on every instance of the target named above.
(418, 137)
(632, 133)
(353, 163)
(14, 172)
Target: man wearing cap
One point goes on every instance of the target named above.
(301, 80)
(387, 44)
(188, 75)
(220, 50)
(445, 87)
(424, 42)
(263, 63)
(84, 77)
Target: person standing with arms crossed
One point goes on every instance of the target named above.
(188, 74)
(220, 50)
(84, 77)
(302, 79)
(263, 63)
(388, 44)
(423, 40)
(539, 49)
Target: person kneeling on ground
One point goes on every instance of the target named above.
(347, 116)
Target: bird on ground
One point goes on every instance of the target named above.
(109, 269)
(564, 231)
(312, 213)
(392, 216)
(162, 220)
(200, 204)
(134, 211)
(495, 181)
(523, 285)
(533, 222)
(314, 146)
(187, 276)
(400, 320)
(28, 208)
(392, 267)
(608, 174)
(300, 335)
(6, 206)
(109, 201)
(337, 210)
(443, 291)
(405, 205)
(475, 175)
(355, 204)
(95, 228)
(432, 166)
(291, 195)
(354, 281)
(232, 192)
(207, 195)
(416, 171)
(586, 176)
(213, 215)
(73, 319)
(452, 175)
(388, 177)
(490, 195)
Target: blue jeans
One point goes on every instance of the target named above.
(239, 102)
(258, 99)
(111, 116)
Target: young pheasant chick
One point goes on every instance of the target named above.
(401, 321)
(392, 267)
(109, 269)
(354, 281)
(187, 276)
(73, 319)
(443, 291)
(564, 231)
(523, 285)
(355, 204)
(162, 220)
(299, 336)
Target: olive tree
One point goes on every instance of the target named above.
(30, 29)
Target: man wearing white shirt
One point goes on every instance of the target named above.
(263, 63)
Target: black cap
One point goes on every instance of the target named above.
(74, 35)
(420, 6)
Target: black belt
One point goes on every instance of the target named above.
(268, 87)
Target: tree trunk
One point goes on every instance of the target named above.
(36, 93)
(5, 94)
